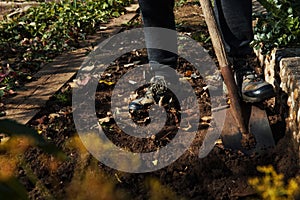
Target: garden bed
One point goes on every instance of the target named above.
(222, 174)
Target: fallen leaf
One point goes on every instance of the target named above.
(128, 65)
(155, 162)
(3, 138)
(188, 73)
(188, 127)
(102, 27)
(118, 179)
(132, 82)
(206, 118)
(104, 120)
(107, 82)
(73, 85)
(53, 115)
(88, 68)
(11, 92)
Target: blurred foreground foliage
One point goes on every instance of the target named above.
(20, 137)
(272, 186)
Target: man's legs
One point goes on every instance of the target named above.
(159, 13)
(235, 21)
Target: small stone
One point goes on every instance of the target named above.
(2, 113)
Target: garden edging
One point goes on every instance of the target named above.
(282, 70)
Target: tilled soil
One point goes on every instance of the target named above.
(222, 174)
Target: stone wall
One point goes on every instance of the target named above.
(282, 69)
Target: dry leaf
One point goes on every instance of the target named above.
(107, 82)
(103, 120)
(206, 118)
(155, 162)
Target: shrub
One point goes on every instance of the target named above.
(279, 27)
(272, 186)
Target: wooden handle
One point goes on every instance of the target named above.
(226, 72)
(214, 32)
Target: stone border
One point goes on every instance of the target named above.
(282, 70)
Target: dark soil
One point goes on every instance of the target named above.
(222, 174)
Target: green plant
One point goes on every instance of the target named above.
(201, 37)
(20, 138)
(51, 25)
(272, 186)
(279, 27)
(63, 97)
(44, 31)
(180, 2)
